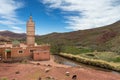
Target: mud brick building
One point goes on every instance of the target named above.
(25, 50)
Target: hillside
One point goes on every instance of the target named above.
(8, 36)
(103, 38)
(106, 38)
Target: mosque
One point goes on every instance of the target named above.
(26, 50)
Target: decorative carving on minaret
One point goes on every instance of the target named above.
(30, 32)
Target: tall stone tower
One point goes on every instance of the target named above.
(30, 32)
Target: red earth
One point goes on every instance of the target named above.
(33, 70)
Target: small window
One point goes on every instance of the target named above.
(31, 51)
(20, 51)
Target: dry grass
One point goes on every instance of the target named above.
(106, 56)
(94, 62)
(4, 78)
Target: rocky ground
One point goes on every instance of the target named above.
(49, 70)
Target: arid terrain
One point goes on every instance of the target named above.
(50, 69)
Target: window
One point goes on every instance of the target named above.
(20, 51)
(31, 51)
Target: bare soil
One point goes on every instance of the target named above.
(33, 70)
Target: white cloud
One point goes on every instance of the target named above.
(16, 31)
(8, 14)
(16, 28)
(90, 13)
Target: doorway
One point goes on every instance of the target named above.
(8, 55)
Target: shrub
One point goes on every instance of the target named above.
(75, 50)
(90, 54)
(4, 78)
(116, 59)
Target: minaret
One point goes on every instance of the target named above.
(30, 32)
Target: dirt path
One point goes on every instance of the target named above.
(33, 70)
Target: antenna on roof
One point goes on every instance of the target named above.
(30, 16)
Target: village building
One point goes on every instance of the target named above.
(28, 50)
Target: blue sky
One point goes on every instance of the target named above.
(58, 15)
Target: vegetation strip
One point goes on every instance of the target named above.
(94, 62)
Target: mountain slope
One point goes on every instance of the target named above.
(97, 38)
(8, 35)
(103, 38)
